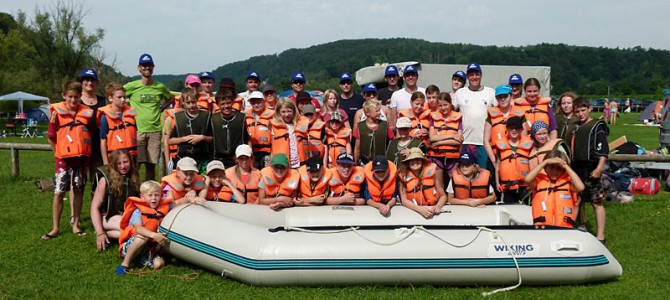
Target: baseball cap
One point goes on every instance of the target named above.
(253, 74)
(346, 159)
(467, 158)
(345, 77)
(215, 165)
(206, 75)
(403, 122)
(460, 74)
(314, 163)
(227, 82)
(379, 163)
(308, 109)
(302, 96)
(514, 122)
(297, 76)
(391, 70)
(187, 164)
(146, 59)
(243, 150)
(268, 87)
(191, 79)
(334, 116)
(279, 159)
(410, 69)
(503, 89)
(473, 66)
(515, 79)
(88, 73)
(370, 87)
(256, 95)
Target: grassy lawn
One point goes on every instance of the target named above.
(70, 266)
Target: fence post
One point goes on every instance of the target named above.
(15, 160)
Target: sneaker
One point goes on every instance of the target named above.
(121, 270)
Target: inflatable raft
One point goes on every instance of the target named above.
(344, 245)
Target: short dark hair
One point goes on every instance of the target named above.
(432, 89)
(224, 94)
(581, 102)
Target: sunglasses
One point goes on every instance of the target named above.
(298, 82)
(346, 83)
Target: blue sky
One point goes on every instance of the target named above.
(185, 37)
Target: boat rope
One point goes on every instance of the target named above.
(291, 228)
(516, 265)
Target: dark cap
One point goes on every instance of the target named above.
(346, 159)
(467, 158)
(268, 87)
(227, 82)
(515, 122)
(314, 163)
(302, 96)
(380, 163)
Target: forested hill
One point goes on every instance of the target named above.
(587, 70)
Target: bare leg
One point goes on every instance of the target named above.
(57, 210)
(76, 204)
(600, 220)
(112, 226)
(134, 249)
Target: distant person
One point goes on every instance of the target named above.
(147, 96)
(89, 82)
(253, 82)
(349, 101)
(614, 111)
(627, 109)
(400, 100)
(473, 103)
(516, 82)
(606, 110)
(537, 108)
(392, 79)
(565, 113)
(298, 81)
(458, 81)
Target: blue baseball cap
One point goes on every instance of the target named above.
(346, 159)
(391, 70)
(370, 87)
(345, 77)
(503, 89)
(297, 76)
(88, 73)
(460, 74)
(206, 75)
(515, 79)
(146, 59)
(467, 158)
(410, 69)
(473, 66)
(253, 74)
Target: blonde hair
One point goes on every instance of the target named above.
(285, 103)
(326, 96)
(149, 186)
(371, 104)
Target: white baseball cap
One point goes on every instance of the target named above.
(243, 149)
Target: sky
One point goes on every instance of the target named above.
(188, 37)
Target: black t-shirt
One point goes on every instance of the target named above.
(95, 130)
(384, 95)
(351, 105)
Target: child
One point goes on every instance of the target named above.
(494, 128)
(70, 139)
(258, 127)
(555, 198)
(419, 189)
(314, 178)
(118, 129)
(512, 165)
(184, 182)
(469, 184)
(347, 182)
(243, 175)
(398, 148)
(589, 144)
(331, 104)
(432, 94)
(228, 128)
(170, 151)
(192, 131)
(287, 126)
(279, 184)
(446, 136)
(218, 188)
(382, 192)
(312, 144)
(338, 138)
(372, 134)
(207, 99)
(418, 115)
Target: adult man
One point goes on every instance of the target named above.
(516, 81)
(147, 96)
(253, 82)
(391, 77)
(473, 103)
(349, 101)
(270, 94)
(298, 81)
(400, 99)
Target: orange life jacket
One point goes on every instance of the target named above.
(312, 141)
(554, 202)
(178, 188)
(538, 113)
(499, 121)
(259, 130)
(122, 133)
(280, 137)
(169, 114)
(448, 125)
(537, 155)
(476, 189)
(514, 166)
(73, 138)
(238, 104)
(422, 191)
(306, 188)
(205, 102)
(248, 189)
(275, 188)
(225, 194)
(337, 142)
(151, 218)
(381, 192)
(418, 122)
(353, 185)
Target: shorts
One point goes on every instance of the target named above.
(148, 147)
(145, 257)
(593, 191)
(68, 176)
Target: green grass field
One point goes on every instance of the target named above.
(71, 267)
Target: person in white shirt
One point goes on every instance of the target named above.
(253, 82)
(400, 98)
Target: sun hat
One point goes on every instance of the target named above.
(415, 153)
(403, 122)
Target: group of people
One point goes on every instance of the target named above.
(396, 145)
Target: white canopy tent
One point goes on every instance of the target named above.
(21, 96)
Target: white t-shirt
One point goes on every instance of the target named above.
(400, 98)
(245, 104)
(473, 105)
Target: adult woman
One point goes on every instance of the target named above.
(614, 110)
(331, 104)
(564, 113)
(89, 82)
(112, 186)
(536, 108)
